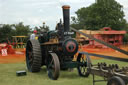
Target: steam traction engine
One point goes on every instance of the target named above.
(55, 49)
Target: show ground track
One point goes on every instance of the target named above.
(19, 56)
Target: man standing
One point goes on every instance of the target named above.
(33, 35)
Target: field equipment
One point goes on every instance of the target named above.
(6, 49)
(18, 41)
(110, 72)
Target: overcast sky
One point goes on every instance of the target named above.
(35, 12)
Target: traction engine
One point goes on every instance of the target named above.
(54, 49)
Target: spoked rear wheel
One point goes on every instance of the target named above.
(53, 66)
(84, 62)
(33, 56)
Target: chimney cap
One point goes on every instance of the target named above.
(66, 7)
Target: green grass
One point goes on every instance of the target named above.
(8, 76)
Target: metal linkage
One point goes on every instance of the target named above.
(110, 72)
(107, 57)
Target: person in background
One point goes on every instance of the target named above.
(33, 35)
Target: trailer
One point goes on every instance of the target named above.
(112, 73)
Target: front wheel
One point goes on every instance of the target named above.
(53, 66)
(84, 64)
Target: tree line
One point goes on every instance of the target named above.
(102, 13)
(9, 30)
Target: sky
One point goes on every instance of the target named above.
(35, 12)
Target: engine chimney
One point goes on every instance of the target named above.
(66, 17)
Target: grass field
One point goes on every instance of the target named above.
(8, 76)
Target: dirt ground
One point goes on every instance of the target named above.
(107, 51)
(19, 55)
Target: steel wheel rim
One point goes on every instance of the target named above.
(50, 69)
(83, 64)
(29, 56)
(83, 67)
(53, 66)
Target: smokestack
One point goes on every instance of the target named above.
(66, 17)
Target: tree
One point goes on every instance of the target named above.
(21, 29)
(5, 32)
(103, 13)
(125, 39)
